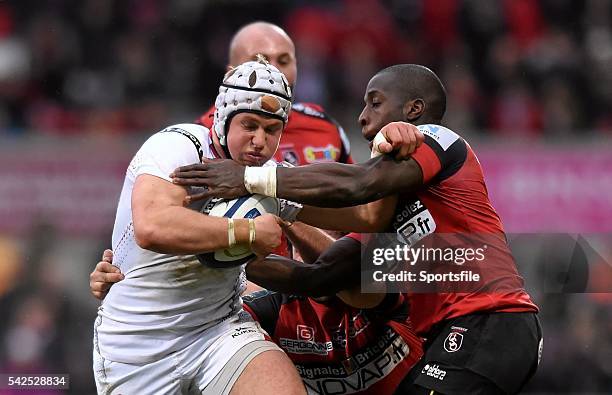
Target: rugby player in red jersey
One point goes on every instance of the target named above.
(476, 342)
(311, 135)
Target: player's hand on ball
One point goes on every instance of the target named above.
(401, 137)
(104, 276)
(267, 234)
(224, 178)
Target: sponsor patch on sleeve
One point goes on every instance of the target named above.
(441, 135)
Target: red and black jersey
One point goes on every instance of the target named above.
(454, 200)
(310, 136)
(338, 349)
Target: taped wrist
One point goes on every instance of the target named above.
(261, 180)
(378, 139)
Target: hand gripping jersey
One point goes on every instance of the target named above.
(165, 302)
(310, 136)
(338, 349)
(454, 200)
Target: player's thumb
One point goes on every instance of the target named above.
(107, 256)
(385, 147)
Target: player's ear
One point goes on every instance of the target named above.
(413, 109)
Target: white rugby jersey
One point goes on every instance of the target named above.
(165, 301)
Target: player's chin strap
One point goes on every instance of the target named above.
(261, 180)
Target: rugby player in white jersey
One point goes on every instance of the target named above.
(174, 325)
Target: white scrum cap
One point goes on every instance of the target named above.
(254, 86)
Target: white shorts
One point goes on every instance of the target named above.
(210, 365)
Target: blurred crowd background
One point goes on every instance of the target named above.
(84, 82)
(537, 68)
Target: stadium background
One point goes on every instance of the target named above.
(84, 82)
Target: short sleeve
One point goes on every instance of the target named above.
(175, 146)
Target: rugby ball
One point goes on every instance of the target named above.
(250, 206)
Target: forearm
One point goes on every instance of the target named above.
(285, 275)
(340, 185)
(178, 230)
(337, 268)
(163, 225)
(309, 241)
(368, 218)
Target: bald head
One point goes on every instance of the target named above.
(269, 40)
(412, 82)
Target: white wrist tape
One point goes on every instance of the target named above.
(378, 139)
(231, 232)
(261, 180)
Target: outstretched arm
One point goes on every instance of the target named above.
(323, 185)
(336, 269)
(339, 185)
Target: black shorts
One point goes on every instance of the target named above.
(491, 353)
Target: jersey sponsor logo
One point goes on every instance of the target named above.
(434, 371)
(364, 370)
(297, 346)
(413, 223)
(242, 331)
(305, 333)
(441, 135)
(329, 153)
(194, 140)
(453, 341)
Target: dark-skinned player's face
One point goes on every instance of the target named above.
(381, 106)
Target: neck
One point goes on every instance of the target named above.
(424, 120)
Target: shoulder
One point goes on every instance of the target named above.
(310, 113)
(310, 109)
(180, 138)
(443, 136)
(310, 116)
(450, 149)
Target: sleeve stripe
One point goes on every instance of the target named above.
(428, 159)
